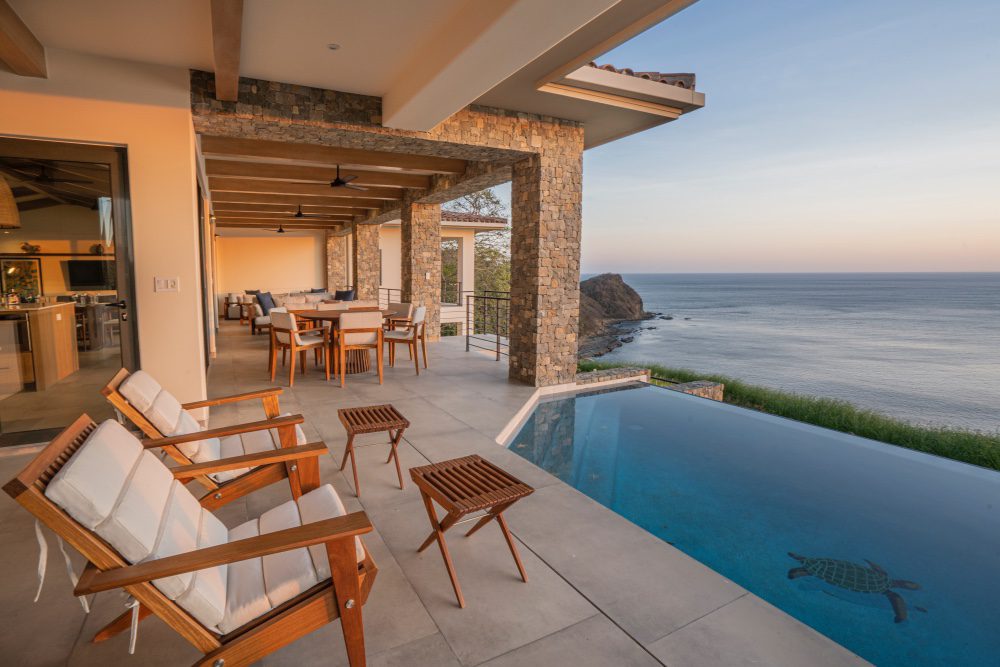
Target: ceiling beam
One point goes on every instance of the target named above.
(263, 198)
(274, 225)
(227, 32)
(263, 149)
(20, 50)
(223, 207)
(34, 204)
(279, 216)
(298, 172)
(224, 184)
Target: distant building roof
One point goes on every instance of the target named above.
(680, 80)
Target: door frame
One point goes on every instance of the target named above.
(116, 157)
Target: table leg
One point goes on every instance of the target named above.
(438, 534)
(394, 453)
(513, 549)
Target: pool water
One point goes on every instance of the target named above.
(740, 491)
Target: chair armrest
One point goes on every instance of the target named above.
(319, 532)
(249, 460)
(221, 432)
(248, 396)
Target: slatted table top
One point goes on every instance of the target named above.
(372, 419)
(469, 484)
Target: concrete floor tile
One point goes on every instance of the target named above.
(749, 632)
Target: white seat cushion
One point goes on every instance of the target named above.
(399, 334)
(254, 442)
(258, 585)
(261, 320)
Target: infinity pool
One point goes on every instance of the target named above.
(892, 553)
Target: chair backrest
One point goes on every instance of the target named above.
(282, 319)
(361, 320)
(364, 303)
(401, 309)
(96, 487)
(337, 305)
(419, 315)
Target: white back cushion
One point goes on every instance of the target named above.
(140, 389)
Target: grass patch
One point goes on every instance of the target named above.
(974, 447)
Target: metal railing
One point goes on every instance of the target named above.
(387, 295)
(487, 321)
(451, 293)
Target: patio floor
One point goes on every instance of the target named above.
(601, 590)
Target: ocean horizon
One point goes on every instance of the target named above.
(921, 347)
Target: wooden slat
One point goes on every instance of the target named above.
(226, 184)
(298, 172)
(290, 209)
(342, 527)
(227, 31)
(20, 50)
(224, 431)
(257, 215)
(235, 398)
(270, 198)
(325, 155)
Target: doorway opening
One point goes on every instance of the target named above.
(66, 281)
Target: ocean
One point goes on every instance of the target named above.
(921, 347)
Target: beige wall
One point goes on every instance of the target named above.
(272, 263)
(147, 109)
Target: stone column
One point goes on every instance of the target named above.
(336, 262)
(365, 261)
(546, 216)
(421, 260)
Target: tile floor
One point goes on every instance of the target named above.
(601, 591)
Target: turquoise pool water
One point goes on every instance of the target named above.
(896, 553)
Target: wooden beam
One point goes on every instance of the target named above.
(223, 215)
(220, 207)
(223, 184)
(611, 99)
(262, 149)
(259, 224)
(34, 204)
(298, 172)
(263, 198)
(20, 50)
(227, 31)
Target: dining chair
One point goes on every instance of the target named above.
(360, 330)
(285, 334)
(410, 334)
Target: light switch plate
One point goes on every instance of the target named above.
(166, 284)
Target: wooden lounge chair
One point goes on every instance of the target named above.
(140, 529)
(141, 399)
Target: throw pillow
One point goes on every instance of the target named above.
(266, 302)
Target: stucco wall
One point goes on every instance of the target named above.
(147, 109)
(275, 263)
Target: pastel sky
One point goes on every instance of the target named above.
(854, 135)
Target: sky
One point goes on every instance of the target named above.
(856, 135)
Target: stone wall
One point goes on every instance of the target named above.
(336, 262)
(365, 261)
(421, 260)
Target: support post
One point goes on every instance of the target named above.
(366, 262)
(421, 260)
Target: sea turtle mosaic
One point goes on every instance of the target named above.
(854, 577)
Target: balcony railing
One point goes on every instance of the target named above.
(487, 321)
(451, 293)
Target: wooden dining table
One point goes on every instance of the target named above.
(357, 361)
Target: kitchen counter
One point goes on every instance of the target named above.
(37, 345)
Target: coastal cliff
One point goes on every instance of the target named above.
(609, 311)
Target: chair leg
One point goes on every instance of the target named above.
(283, 359)
(302, 360)
(274, 362)
(394, 453)
(343, 364)
(347, 591)
(326, 363)
(438, 534)
(378, 358)
(423, 345)
(412, 346)
(291, 366)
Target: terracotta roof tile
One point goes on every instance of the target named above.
(459, 216)
(679, 80)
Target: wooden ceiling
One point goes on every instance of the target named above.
(38, 183)
(259, 183)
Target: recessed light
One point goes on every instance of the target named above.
(333, 47)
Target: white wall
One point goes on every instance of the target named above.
(276, 263)
(147, 109)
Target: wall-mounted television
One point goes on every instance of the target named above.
(91, 274)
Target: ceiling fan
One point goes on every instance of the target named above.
(280, 229)
(300, 214)
(344, 182)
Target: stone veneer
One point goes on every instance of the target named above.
(420, 230)
(364, 248)
(336, 262)
(609, 374)
(541, 154)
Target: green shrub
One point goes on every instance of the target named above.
(982, 449)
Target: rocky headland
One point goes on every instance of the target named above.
(611, 313)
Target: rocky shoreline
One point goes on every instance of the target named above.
(611, 314)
